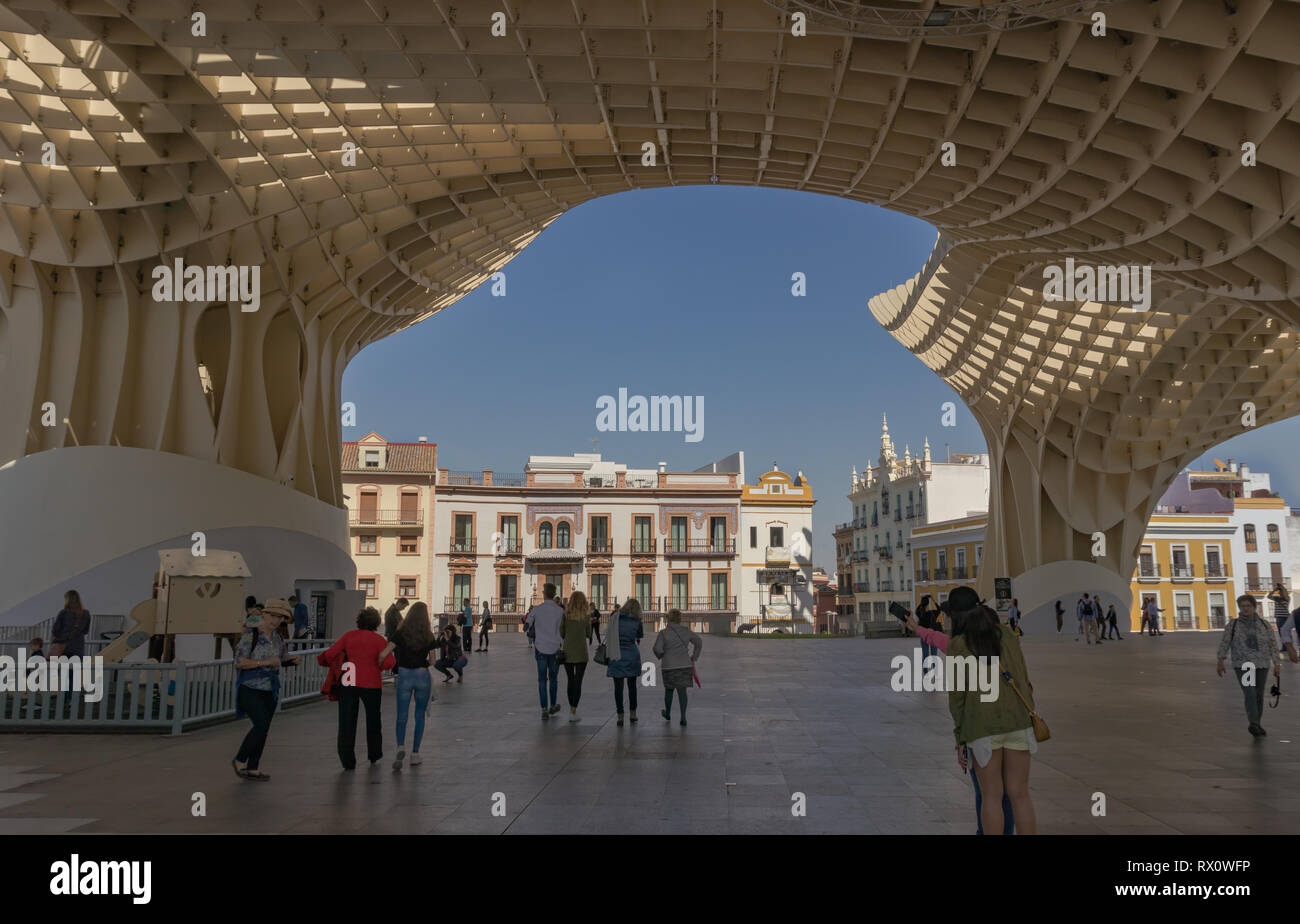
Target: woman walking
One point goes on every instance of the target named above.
(624, 666)
(575, 632)
(1252, 645)
(1281, 604)
(361, 649)
(677, 649)
(998, 734)
(68, 635)
(485, 623)
(412, 645)
(258, 658)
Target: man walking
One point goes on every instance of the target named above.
(1112, 620)
(1087, 619)
(544, 622)
(1013, 616)
(393, 617)
(467, 627)
(301, 617)
(1060, 617)
(1152, 611)
(1253, 647)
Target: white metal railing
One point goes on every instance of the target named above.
(163, 696)
(45, 628)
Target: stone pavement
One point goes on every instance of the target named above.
(1145, 721)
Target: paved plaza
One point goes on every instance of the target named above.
(1144, 721)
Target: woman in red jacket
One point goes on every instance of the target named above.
(362, 657)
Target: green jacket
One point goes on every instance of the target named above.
(973, 719)
(576, 634)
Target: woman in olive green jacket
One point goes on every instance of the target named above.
(575, 630)
(998, 733)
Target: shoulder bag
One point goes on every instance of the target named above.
(1041, 731)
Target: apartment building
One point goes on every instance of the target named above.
(776, 518)
(946, 555)
(585, 523)
(389, 490)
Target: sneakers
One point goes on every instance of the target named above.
(573, 716)
(416, 759)
(683, 722)
(666, 715)
(620, 720)
(546, 714)
(634, 718)
(555, 708)
(1254, 730)
(401, 756)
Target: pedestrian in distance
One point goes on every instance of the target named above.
(484, 626)
(624, 631)
(1060, 617)
(1112, 620)
(940, 641)
(413, 646)
(393, 617)
(36, 648)
(1153, 612)
(1087, 612)
(543, 622)
(925, 615)
(68, 634)
(1013, 617)
(452, 657)
(996, 737)
(677, 648)
(595, 623)
(1252, 646)
(359, 654)
(301, 618)
(575, 630)
(1281, 599)
(466, 623)
(260, 654)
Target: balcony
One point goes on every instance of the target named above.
(464, 545)
(643, 546)
(923, 574)
(1262, 585)
(884, 552)
(507, 546)
(911, 512)
(874, 520)
(899, 545)
(602, 546)
(1148, 571)
(508, 605)
(719, 603)
(1214, 573)
(941, 574)
(386, 517)
(886, 585)
(861, 587)
(456, 604)
(1182, 572)
(959, 573)
(860, 555)
(699, 548)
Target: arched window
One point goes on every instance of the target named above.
(1250, 538)
(1274, 540)
(544, 536)
(562, 535)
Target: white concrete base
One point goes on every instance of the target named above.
(1039, 588)
(92, 518)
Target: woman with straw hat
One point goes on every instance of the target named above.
(258, 658)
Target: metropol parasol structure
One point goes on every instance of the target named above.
(378, 159)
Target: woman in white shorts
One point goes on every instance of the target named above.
(998, 732)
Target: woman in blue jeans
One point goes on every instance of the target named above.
(413, 645)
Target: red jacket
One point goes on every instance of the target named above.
(361, 648)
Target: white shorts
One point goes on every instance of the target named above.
(1022, 739)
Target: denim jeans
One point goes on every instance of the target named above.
(926, 651)
(548, 670)
(417, 683)
(1008, 822)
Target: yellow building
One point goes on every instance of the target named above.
(1186, 563)
(946, 555)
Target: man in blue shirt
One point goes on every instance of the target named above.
(467, 627)
(301, 617)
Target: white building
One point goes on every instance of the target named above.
(889, 499)
(585, 523)
(776, 533)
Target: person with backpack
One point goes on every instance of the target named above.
(68, 634)
(575, 630)
(466, 623)
(1252, 644)
(1087, 619)
(361, 649)
(677, 648)
(543, 623)
(484, 626)
(260, 654)
(453, 656)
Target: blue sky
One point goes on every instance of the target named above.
(686, 291)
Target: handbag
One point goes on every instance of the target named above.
(601, 656)
(1041, 731)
